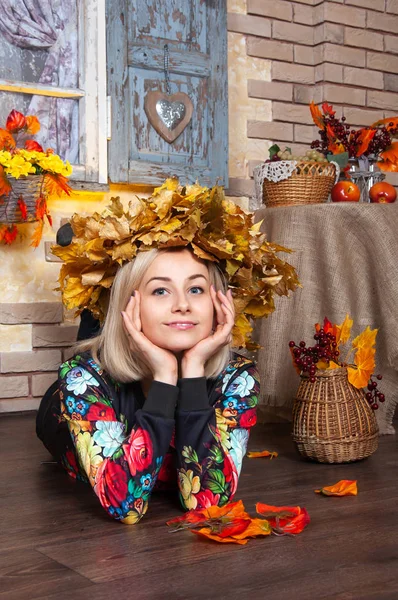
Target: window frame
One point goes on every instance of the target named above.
(91, 93)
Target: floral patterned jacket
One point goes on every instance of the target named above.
(194, 434)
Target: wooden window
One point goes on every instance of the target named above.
(89, 93)
(196, 34)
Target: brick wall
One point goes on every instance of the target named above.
(34, 343)
(343, 51)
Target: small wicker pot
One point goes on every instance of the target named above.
(29, 189)
(310, 183)
(332, 420)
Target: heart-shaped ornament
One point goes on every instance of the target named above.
(169, 114)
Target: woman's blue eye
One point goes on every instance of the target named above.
(159, 292)
(196, 290)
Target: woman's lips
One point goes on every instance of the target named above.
(182, 326)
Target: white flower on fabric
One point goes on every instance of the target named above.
(241, 386)
(109, 435)
(78, 379)
(238, 439)
(225, 380)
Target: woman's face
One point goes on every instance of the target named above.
(176, 307)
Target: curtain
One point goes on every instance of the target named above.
(52, 25)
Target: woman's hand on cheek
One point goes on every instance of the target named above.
(162, 363)
(194, 359)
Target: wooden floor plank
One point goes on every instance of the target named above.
(58, 543)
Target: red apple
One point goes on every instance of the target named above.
(345, 191)
(382, 192)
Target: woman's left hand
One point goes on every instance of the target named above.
(194, 359)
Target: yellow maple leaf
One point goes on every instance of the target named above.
(343, 331)
(366, 339)
(365, 366)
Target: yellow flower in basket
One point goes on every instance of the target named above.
(28, 177)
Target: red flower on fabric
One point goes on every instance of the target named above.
(99, 487)
(248, 418)
(115, 483)
(100, 412)
(230, 471)
(138, 451)
(72, 467)
(167, 471)
(206, 498)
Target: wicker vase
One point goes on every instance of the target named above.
(27, 188)
(332, 420)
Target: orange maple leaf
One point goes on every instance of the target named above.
(389, 123)
(328, 109)
(5, 186)
(7, 141)
(9, 234)
(56, 184)
(284, 519)
(263, 453)
(345, 487)
(37, 234)
(23, 208)
(364, 138)
(389, 158)
(317, 116)
(15, 121)
(32, 124)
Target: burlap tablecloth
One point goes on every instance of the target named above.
(346, 256)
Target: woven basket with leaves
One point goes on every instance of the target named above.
(332, 421)
(310, 183)
(27, 188)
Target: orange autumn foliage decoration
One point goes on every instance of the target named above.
(359, 370)
(20, 163)
(344, 487)
(232, 524)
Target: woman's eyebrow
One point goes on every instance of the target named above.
(168, 278)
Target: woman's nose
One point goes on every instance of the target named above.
(181, 304)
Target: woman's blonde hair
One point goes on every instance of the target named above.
(111, 348)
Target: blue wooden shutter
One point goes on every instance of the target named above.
(196, 34)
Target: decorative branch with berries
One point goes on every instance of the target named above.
(309, 359)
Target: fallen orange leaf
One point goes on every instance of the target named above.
(263, 453)
(206, 532)
(284, 519)
(345, 487)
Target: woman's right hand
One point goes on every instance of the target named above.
(162, 363)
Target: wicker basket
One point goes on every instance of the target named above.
(29, 189)
(332, 420)
(310, 183)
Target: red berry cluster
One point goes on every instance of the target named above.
(306, 358)
(350, 138)
(373, 395)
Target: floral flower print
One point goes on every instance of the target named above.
(139, 450)
(225, 380)
(189, 485)
(76, 406)
(109, 435)
(241, 386)
(78, 379)
(238, 439)
(146, 482)
(89, 454)
(206, 498)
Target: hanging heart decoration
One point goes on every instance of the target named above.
(168, 114)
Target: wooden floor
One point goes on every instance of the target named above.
(57, 543)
